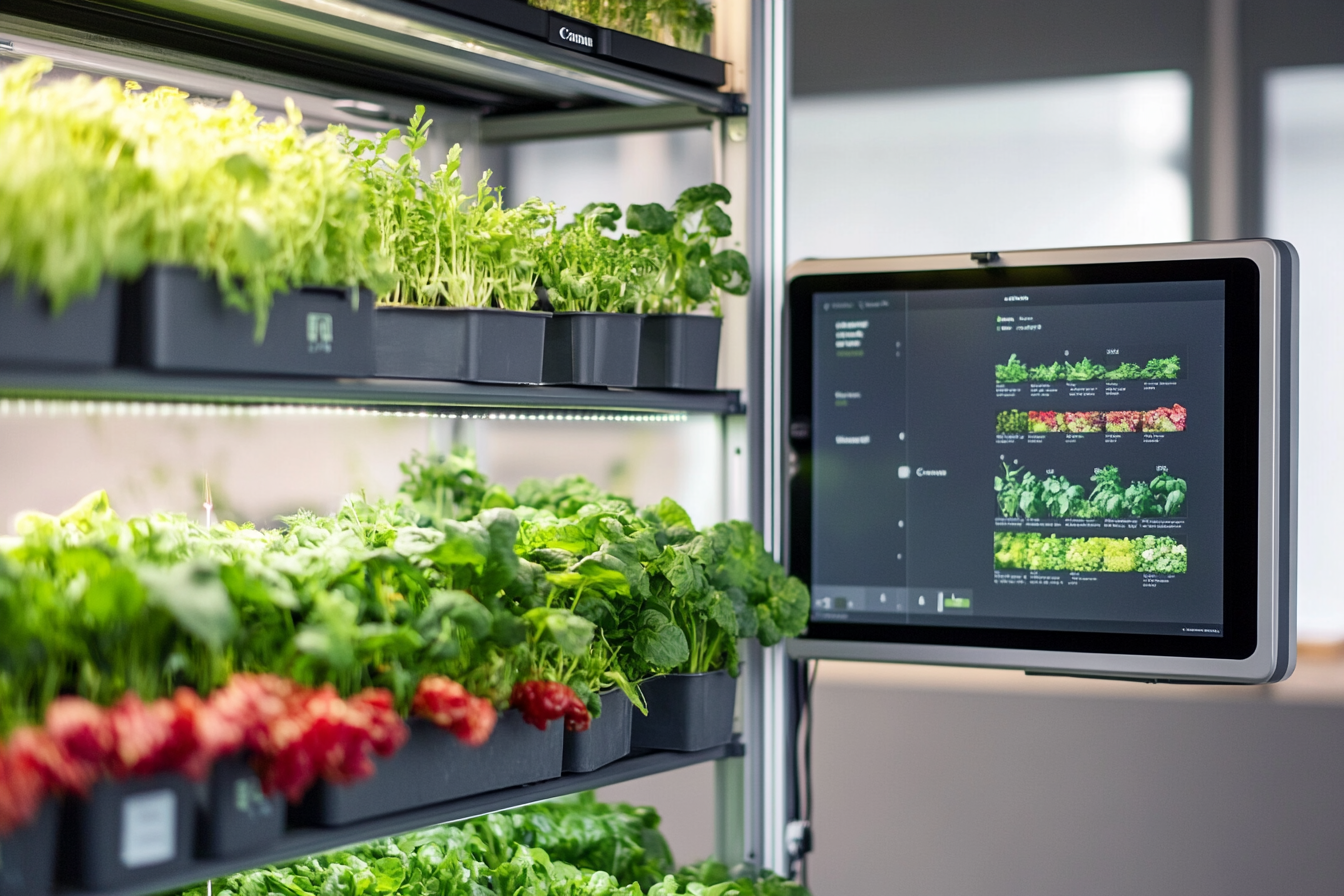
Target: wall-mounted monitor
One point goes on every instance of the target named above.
(1075, 461)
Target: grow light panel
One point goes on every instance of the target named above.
(1117, 499)
(36, 407)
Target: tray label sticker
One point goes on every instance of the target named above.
(149, 829)
(320, 332)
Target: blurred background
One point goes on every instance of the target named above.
(935, 126)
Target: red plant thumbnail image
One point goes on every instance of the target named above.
(1170, 419)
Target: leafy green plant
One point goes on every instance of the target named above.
(1108, 496)
(1011, 422)
(1046, 373)
(583, 269)
(101, 179)
(1085, 370)
(681, 23)
(693, 273)
(1059, 496)
(448, 248)
(1126, 371)
(1162, 368)
(1012, 372)
(574, 846)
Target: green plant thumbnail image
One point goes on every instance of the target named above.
(1086, 370)
(1032, 550)
(1020, 492)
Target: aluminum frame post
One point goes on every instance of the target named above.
(768, 772)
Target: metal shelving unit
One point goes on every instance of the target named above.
(335, 55)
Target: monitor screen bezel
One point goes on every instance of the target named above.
(1243, 621)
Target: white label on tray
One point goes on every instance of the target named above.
(320, 332)
(149, 828)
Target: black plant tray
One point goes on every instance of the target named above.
(434, 767)
(515, 15)
(654, 56)
(236, 818)
(607, 738)
(28, 855)
(175, 319)
(84, 335)
(476, 345)
(128, 832)
(686, 712)
(679, 351)
(590, 348)
(589, 39)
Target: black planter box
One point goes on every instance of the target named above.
(128, 832)
(607, 738)
(84, 335)
(434, 767)
(514, 15)
(590, 348)
(28, 856)
(235, 816)
(478, 345)
(659, 57)
(679, 351)
(174, 319)
(686, 712)
(640, 52)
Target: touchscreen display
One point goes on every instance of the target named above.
(1044, 458)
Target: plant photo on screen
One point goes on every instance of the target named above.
(1086, 370)
(1019, 492)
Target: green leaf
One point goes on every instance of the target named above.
(650, 218)
(659, 642)
(193, 593)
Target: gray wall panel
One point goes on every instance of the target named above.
(964, 793)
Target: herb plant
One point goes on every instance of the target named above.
(1021, 493)
(448, 248)
(585, 270)
(686, 236)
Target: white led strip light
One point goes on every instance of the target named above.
(37, 407)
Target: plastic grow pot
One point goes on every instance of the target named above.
(679, 351)
(172, 318)
(83, 335)
(478, 345)
(235, 816)
(607, 738)
(592, 348)
(687, 712)
(28, 855)
(128, 832)
(434, 767)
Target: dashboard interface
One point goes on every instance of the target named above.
(1037, 458)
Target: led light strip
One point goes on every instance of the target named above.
(38, 407)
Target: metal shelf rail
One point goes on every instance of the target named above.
(110, 391)
(310, 841)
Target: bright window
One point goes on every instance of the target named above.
(1304, 204)
(1029, 165)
